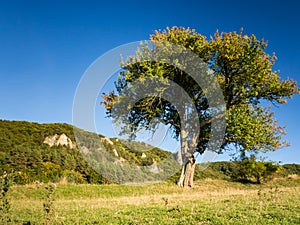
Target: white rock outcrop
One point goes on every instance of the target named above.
(154, 168)
(57, 140)
(115, 152)
(107, 140)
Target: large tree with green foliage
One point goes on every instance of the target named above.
(244, 71)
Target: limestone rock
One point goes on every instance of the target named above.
(107, 140)
(115, 152)
(57, 140)
(154, 168)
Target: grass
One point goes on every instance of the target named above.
(209, 202)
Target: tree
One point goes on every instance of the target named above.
(244, 71)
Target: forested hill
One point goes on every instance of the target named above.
(48, 152)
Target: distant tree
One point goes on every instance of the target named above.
(244, 71)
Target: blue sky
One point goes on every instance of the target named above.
(46, 46)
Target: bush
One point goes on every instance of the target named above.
(73, 176)
(251, 170)
(289, 169)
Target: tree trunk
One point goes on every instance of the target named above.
(189, 133)
(187, 173)
(186, 178)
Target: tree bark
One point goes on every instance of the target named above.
(189, 176)
(186, 178)
(187, 173)
(189, 133)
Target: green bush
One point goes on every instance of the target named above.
(289, 169)
(251, 170)
(73, 176)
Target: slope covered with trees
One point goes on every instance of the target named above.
(23, 152)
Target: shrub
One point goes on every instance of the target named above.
(251, 170)
(73, 176)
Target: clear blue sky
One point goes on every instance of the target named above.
(45, 47)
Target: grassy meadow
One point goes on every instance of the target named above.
(208, 202)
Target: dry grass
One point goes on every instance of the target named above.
(293, 176)
(187, 195)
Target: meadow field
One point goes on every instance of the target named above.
(208, 202)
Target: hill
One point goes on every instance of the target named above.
(49, 152)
